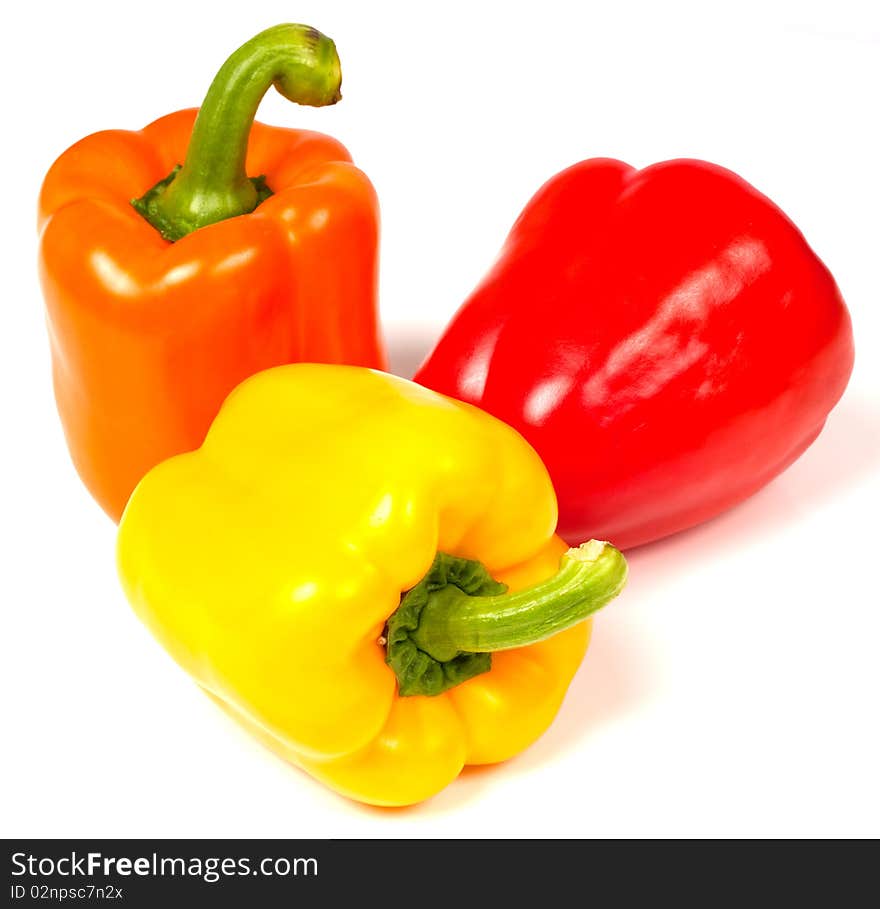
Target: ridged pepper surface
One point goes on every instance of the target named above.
(166, 287)
(333, 565)
(665, 338)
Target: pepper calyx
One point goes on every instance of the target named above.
(449, 580)
(174, 229)
(447, 626)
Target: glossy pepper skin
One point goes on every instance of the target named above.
(665, 338)
(269, 561)
(148, 336)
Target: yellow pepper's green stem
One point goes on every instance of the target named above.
(212, 184)
(447, 626)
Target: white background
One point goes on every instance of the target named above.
(733, 689)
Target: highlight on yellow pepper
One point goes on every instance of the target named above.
(365, 574)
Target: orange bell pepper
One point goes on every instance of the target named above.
(161, 300)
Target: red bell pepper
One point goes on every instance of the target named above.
(665, 339)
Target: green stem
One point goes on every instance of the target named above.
(447, 626)
(212, 184)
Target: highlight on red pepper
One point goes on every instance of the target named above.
(665, 338)
(181, 259)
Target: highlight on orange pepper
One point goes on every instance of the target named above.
(179, 260)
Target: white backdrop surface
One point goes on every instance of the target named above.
(733, 688)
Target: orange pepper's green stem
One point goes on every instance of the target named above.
(447, 626)
(212, 184)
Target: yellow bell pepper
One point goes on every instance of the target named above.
(331, 564)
